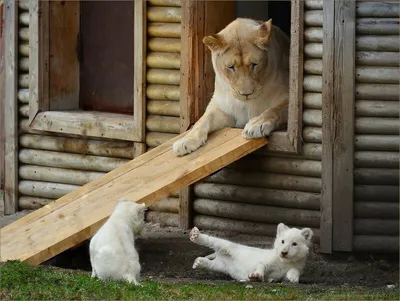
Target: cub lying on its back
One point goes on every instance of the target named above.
(251, 65)
(285, 261)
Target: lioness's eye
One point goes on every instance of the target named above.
(294, 244)
(283, 241)
(231, 67)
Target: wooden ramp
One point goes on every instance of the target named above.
(152, 176)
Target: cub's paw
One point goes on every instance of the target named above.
(200, 262)
(293, 276)
(256, 276)
(187, 145)
(194, 234)
(255, 129)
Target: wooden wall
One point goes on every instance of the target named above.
(376, 157)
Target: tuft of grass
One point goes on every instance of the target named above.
(20, 281)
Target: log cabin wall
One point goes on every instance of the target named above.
(376, 157)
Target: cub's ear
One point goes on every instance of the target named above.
(214, 43)
(122, 200)
(281, 228)
(264, 32)
(307, 233)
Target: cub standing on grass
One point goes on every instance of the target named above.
(112, 248)
(285, 261)
(251, 65)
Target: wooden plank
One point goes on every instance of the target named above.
(146, 179)
(327, 127)
(139, 76)
(343, 147)
(11, 107)
(2, 97)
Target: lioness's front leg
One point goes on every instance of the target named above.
(213, 119)
(271, 120)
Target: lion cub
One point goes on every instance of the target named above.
(112, 248)
(286, 260)
(251, 64)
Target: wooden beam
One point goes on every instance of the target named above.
(149, 178)
(11, 107)
(327, 126)
(343, 147)
(2, 96)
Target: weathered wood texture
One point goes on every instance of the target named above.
(2, 99)
(146, 179)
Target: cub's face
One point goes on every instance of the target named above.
(240, 56)
(292, 244)
(135, 211)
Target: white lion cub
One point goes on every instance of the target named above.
(243, 263)
(112, 248)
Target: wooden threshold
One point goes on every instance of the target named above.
(152, 176)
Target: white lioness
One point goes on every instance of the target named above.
(251, 64)
(112, 248)
(243, 263)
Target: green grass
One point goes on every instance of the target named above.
(20, 281)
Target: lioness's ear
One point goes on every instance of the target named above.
(281, 228)
(214, 42)
(307, 233)
(264, 32)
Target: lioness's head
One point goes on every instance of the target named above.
(246, 53)
(292, 244)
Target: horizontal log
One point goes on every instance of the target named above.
(312, 134)
(23, 49)
(313, 67)
(378, 43)
(312, 101)
(166, 205)
(313, 50)
(24, 128)
(164, 30)
(297, 167)
(377, 91)
(376, 159)
(266, 180)
(309, 151)
(376, 243)
(154, 139)
(380, 9)
(163, 218)
(376, 176)
(164, 45)
(313, 34)
(377, 142)
(374, 125)
(164, 2)
(70, 161)
(204, 222)
(115, 149)
(23, 95)
(314, 4)
(164, 14)
(58, 175)
(375, 108)
(161, 107)
(312, 117)
(23, 33)
(313, 18)
(257, 213)
(23, 80)
(377, 26)
(23, 110)
(163, 77)
(372, 226)
(383, 210)
(24, 18)
(163, 124)
(23, 64)
(258, 196)
(163, 92)
(376, 75)
(376, 193)
(32, 203)
(312, 83)
(163, 60)
(23, 4)
(374, 58)
(45, 189)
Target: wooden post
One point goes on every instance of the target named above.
(343, 147)
(2, 95)
(11, 107)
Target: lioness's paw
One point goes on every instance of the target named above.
(186, 145)
(254, 130)
(256, 276)
(293, 276)
(194, 234)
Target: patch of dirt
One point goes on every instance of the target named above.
(167, 255)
